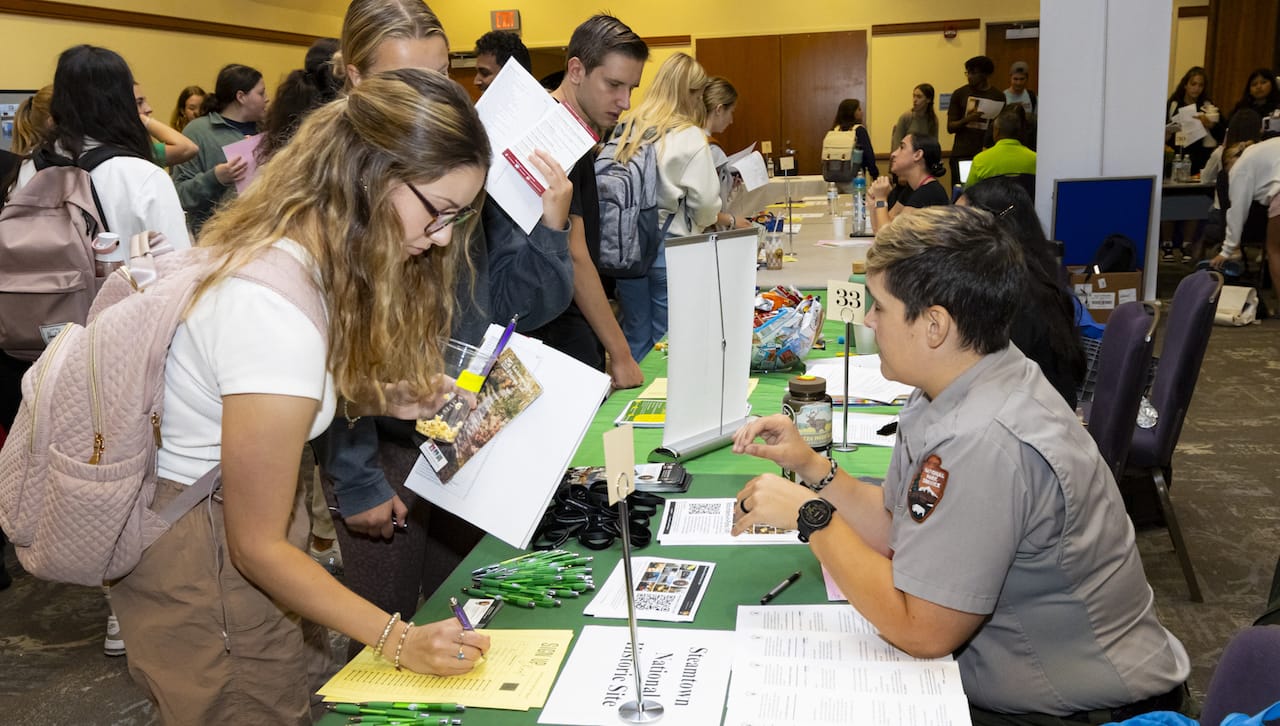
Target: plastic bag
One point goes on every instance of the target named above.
(786, 326)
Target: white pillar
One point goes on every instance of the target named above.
(1104, 68)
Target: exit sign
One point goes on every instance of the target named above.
(505, 20)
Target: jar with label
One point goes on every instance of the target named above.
(809, 407)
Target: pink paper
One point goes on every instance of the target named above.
(833, 590)
(245, 149)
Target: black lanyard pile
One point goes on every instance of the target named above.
(584, 512)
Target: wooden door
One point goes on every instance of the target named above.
(752, 64)
(819, 70)
(1243, 35)
(1004, 51)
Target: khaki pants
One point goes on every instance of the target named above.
(203, 642)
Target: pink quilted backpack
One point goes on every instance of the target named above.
(78, 472)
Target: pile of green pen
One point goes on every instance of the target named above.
(387, 713)
(534, 579)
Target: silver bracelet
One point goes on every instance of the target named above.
(830, 477)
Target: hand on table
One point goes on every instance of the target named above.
(378, 522)
(434, 648)
(625, 373)
(771, 500)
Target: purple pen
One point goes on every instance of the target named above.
(502, 344)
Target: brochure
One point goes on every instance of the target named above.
(669, 590)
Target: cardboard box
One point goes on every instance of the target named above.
(1101, 293)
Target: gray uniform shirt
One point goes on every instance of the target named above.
(1002, 506)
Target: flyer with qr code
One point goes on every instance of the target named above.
(669, 590)
(710, 522)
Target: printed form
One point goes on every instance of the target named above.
(520, 116)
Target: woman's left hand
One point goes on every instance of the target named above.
(403, 402)
(769, 499)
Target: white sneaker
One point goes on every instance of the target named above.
(113, 644)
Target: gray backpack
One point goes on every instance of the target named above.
(629, 233)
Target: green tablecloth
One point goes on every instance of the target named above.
(737, 580)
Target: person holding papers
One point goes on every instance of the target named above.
(999, 534)
(1192, 120)
(972, 107)
(605, 61)
(719, 98)
(363, 202)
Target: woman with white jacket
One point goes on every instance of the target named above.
(671, 116)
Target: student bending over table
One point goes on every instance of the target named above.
(999, 534)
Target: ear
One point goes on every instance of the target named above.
(574, 71)
(939, 325)
(354, 74)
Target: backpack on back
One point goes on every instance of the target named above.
(78, 473)
(46, 232)
(840, 160)
(630, 236)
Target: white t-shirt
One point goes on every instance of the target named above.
(136, 196)
(240, 337)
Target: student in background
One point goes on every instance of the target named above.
(1261, 93)
(720, 98)
(1192, 90)
(190, 107)
(301, 92)
(670, 116)
(1017, 92)
(605, 61)
(918, 164)
(366, 198)
(849, 118)
(238, 103)
(493, 50)
(963, 119)
(1044, 328)
(921, 120)
(169, 146)
(32, 122)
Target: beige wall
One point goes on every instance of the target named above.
(163, 62)
(1189, 38)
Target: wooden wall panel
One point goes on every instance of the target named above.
(753, 65)
(1243, 35)
(1004, 51)
(818, 71)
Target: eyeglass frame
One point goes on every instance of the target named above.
(440, 220)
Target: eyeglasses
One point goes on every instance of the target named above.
(440, 221)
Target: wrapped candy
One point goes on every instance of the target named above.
(786, 325)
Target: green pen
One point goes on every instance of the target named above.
(523, 602)
(477, 592)
(562, 593)
(442, 707)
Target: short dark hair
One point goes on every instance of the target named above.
(232, 79)
(1008, 125)
(981, 64)
(958, 258)
(503, 45)
(93, 99)
(600, 35)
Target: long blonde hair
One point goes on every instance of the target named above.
(31, 122)
(330, 191)
(672, 103)
(370, 22)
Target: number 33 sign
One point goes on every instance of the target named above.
(846, 301)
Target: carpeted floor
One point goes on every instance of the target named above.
(1225, 488)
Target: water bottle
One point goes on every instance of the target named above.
(860, 204)
(832, 196)
(108, 254)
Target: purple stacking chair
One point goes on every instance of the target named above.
(1247, 678)
(1186, 336)
(1123, 360)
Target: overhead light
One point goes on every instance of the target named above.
(1016, 33)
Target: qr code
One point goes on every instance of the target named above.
(703, 508)
(654, 602)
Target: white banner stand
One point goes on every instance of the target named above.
(711, 283)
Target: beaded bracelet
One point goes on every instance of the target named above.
(400, 646)
(377, 649)
(830, 477)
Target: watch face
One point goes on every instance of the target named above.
(816, 513)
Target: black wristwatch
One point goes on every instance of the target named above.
(814, 515)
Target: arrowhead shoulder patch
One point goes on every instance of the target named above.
(927, 489)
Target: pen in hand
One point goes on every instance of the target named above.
(777, 590)
(460, 614)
